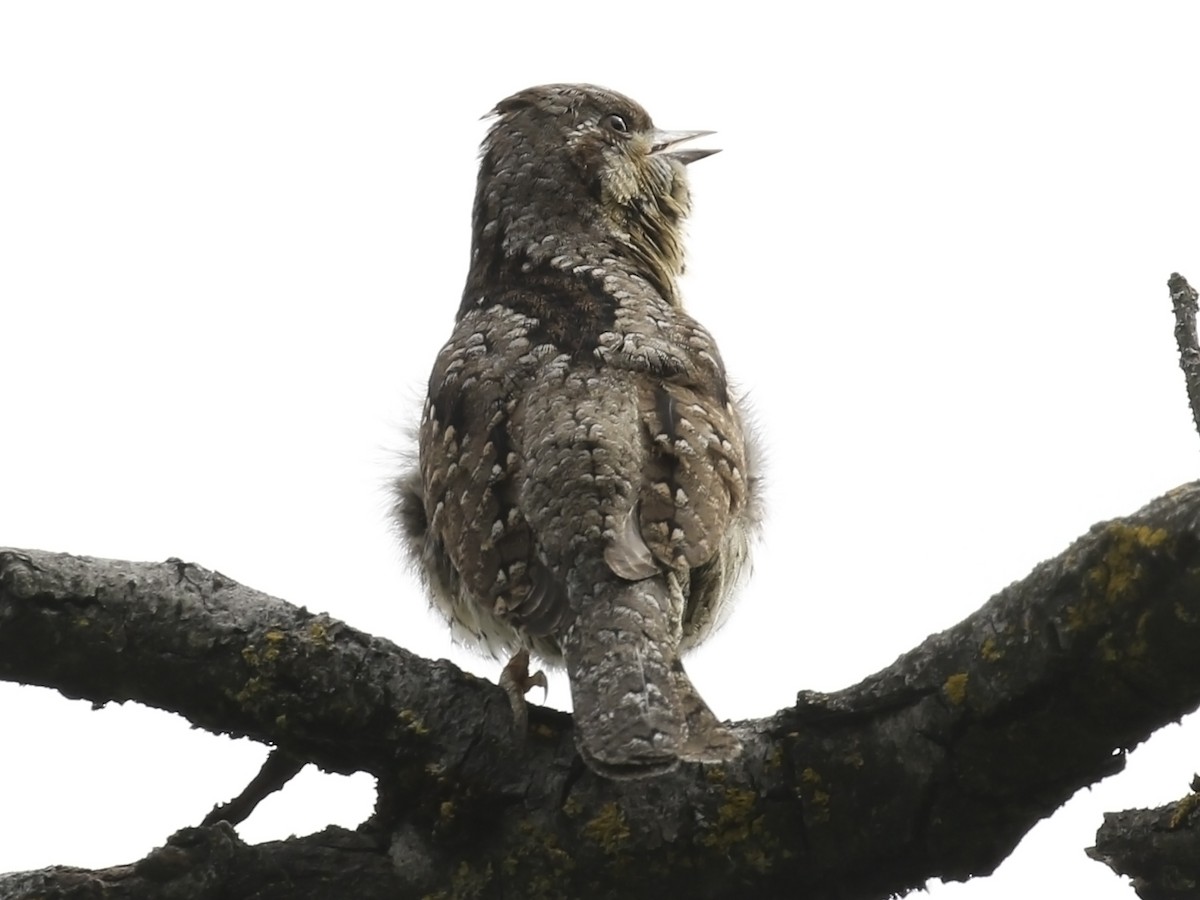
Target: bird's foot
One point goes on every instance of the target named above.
(516, 682)
(708, 740)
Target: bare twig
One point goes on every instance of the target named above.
(1183, 299)
(280, 768)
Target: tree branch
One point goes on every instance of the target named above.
(1184, 303)
(279, 768)
(935, 766)
(214, 864)
(1158, 848)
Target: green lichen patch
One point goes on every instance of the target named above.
(733, 823)
(540, 863)
(990, 651)
(413, 723)
(1122, 566)
(955, 688)
(1183, 811)
(1118, 577)
(740, 830)
(467, 883)
(252, 691)
(816, 798)
(608, 829)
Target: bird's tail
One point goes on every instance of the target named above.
(637, 713)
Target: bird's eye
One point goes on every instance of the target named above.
(616, 123)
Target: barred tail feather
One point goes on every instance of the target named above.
(636, 712)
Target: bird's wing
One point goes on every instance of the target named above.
(470, 471)
(695, 482)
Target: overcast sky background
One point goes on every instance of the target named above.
(934, 252)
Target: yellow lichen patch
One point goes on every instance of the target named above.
(263, 660)
(1183, 614)
(1140, 645)
(608, 829)
(955, 688)
(1186, 807)
(258, 656)
(465, 884)
(413, 722)
(1121, 567)
(1151, 538)
(815, 796)
(540, 862)
(989, 651)
(733, 824)
(738, 831)
(1137, 648)
(251, 690)
(319, 634)
(1117, 579)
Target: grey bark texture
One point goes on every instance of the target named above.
(1159, 849)
(1184, 304)
(934, 767)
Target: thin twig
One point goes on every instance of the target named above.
(1183, 299)
(280, 768)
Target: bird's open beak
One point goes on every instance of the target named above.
(662, 143)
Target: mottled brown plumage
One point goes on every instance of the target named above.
(584, 488)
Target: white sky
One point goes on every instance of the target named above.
(233, 237)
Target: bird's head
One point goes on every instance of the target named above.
(565, 158)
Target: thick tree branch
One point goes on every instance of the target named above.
(236, 661)
(1160, 848)
(214, 864)
(935, 766)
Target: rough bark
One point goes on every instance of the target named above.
(1185, 302)
(935, 766)
(1159, 849)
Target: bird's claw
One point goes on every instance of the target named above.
(516, 682)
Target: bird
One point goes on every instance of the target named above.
(585, 485)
